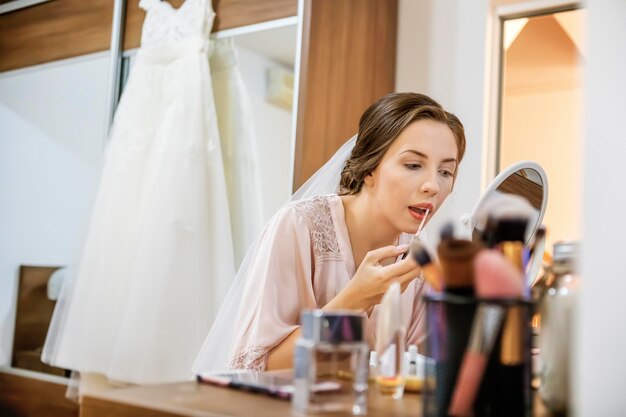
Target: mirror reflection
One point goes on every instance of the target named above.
(527, 183)
(53, 164)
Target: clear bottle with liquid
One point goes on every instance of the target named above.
(331, 363)
(390, 335)
(556, 339)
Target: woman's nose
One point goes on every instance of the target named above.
(430, 185)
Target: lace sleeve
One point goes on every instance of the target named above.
(254, 359)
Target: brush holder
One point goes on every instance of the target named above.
(505, 388)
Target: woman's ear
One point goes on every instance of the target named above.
(369, 180)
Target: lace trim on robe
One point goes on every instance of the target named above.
(254, 359)
(318, 216)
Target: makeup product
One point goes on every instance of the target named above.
(447, 231)
(495, 278)
(555, 340)
(498, 206)
(414, 370)
(430, 270)
(456, 257)
(331, 351)
(455, 313)
(509, 234)
(390, 334)
(419, 229)
(535, 256)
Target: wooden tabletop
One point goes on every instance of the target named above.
(201, 400)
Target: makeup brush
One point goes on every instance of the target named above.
(509, 236)
(499, 206)
(495, 278)
(430, 270)
(456, 257)
(447, 231)
(419, 229)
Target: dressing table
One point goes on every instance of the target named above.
(201, 400)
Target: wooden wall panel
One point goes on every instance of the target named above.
(348, 61)
(32, 319)
(54, 30)
(66, 28)
(229, 14)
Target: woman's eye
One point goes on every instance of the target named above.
(413, 166)
(446, 173)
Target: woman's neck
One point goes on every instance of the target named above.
(367, 228)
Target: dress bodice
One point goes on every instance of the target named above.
(166, 25)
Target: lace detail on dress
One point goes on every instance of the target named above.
(318, 216)
(254, 359)
(165, 24)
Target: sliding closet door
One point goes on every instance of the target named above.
(51, 144)
(348, 61)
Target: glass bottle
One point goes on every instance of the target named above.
(556, 340)
(331, 363)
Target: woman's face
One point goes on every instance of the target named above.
(416, 173)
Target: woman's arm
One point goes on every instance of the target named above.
(281, 356)
(364, 291)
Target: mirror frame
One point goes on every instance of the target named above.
(499, 179)
(532, 268)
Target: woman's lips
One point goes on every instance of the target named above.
(418, 213)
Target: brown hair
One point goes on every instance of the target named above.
(379, 127)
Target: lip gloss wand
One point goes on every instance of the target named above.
(419, 229)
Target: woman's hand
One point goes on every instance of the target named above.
(369, 284)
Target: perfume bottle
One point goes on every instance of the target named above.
(331, 363)
(390, 336)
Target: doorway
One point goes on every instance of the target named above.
(540, 109)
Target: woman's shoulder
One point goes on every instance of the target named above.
(313, 217)
(316, 211)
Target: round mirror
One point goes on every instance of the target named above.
(525, 179)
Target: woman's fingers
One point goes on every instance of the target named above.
(409, 276)
(400, 268)
(375, 256)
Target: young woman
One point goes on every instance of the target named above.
(340, 251)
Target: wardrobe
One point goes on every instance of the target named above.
(345, 58)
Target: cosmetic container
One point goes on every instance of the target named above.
(331, 363)
(555, 338)
(505, 386)
(390, 335)
(413, 370)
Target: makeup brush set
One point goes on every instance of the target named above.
(478, 318)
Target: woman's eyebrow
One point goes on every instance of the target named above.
(423, 155)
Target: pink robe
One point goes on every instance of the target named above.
(304, 259)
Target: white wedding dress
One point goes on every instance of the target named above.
(239, 151)
(158, 254)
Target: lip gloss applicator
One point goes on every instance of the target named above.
(419, 229)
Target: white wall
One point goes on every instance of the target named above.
(601, 342)
(52, 120)
(441, 52)
(273, 126)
